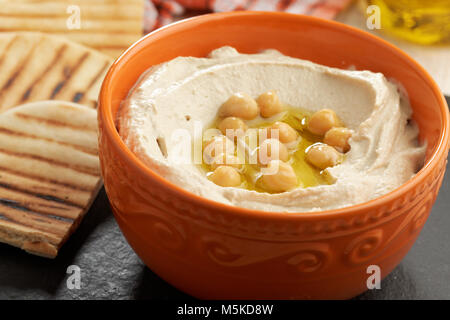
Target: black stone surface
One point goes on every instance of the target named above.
(111, 270)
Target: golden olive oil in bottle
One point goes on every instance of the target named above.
(420, 21)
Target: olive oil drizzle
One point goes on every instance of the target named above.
(307, 175)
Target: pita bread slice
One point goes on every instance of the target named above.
(36, 66)
(109, 26)
(49, 173)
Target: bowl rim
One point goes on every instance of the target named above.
(109, 127)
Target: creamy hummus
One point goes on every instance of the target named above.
(187, 91)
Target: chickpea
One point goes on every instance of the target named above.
(323, 156)
(322, 121)
(225, 176)
(233, 125)
(218, 145)
(283, 179)
(269, 104)
(227, 160)
(338, 138)
(239, 105)
(286, 134)
(272, 149)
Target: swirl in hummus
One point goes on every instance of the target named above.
(186, 91)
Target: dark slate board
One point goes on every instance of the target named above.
(111, 270)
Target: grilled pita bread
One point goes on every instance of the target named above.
(36, 66)
(49, 173)
(109, 26)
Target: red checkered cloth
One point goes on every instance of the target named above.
(161, 12)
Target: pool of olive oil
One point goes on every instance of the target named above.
(421, 21)
(307, 175)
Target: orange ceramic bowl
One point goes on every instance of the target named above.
(212, 250)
